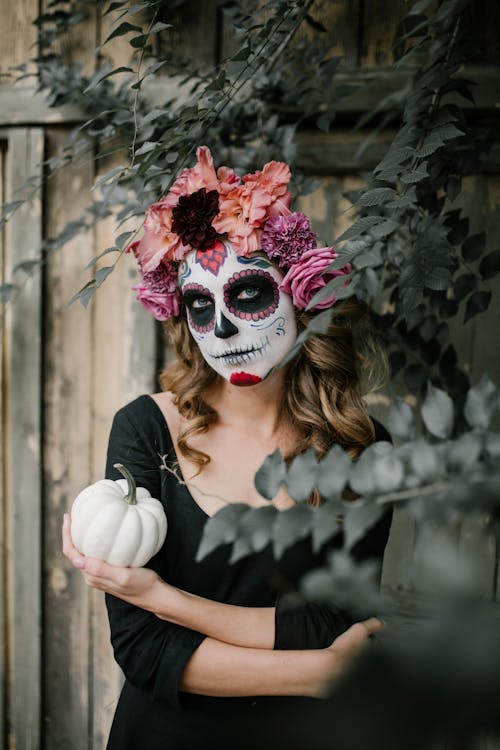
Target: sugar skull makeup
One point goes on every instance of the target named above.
(242, 323)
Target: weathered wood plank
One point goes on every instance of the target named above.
(19, 36)
(124, 357)
(341, 24)
(20, 105)
(3, 464)
(67, 459)
(378, 29)
(21, 447)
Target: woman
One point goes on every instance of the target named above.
(203, 643)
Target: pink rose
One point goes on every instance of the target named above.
(158, 291)
(160, 305)
(309, 275)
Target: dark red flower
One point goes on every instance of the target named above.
(192, 218)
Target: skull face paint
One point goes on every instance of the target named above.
(242, 323)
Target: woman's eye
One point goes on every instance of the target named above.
(200, 303)
(248, 293)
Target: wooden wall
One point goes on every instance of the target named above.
(65, 371)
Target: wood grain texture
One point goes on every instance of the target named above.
(67, 460)
(3, 462)
(18, 34)
(21, 451)
(378, 29)
(124, 359)
(341, 25)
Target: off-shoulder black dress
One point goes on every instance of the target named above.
(152, 714)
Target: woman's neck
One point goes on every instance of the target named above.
(255, 407)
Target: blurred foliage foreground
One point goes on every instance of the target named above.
(436, 678)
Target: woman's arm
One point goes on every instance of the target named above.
(221, 670)
(251, 627)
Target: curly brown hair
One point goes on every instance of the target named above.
(323, 395)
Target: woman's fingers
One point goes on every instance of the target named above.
(357, 635)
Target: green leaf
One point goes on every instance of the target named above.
(429, 146)
(220, 529)
(369, 259)
(490, 265)
(332, 287)
(146, 147)
(359, 227)
(360, 517)
(477, 303)
(100, 79)
(139, 42)
(98, 257)
(301, 475)
(437, 412)
(493, 444)
(375, 197)
(383, 230)
(411, 178)
(123, 238)
(108, 177)
(394, 158)
(425, 461)
(473, 247)
(102, 274)
(388, 472)
(438, 279)
(242, 54)
(159, 26)
(255, 531)
(85, 294)
(324, 121)
(9, 208)
(218, 83)
(7, 292)
(120, 30)
(271, 475)
(463, 454)
(480, 404)
(400, 421)
(115, 6)
(27, 266)
(327, 521)
(464, 285)
(290, 526)
(318, 325)
(446, 132)
(332, 472)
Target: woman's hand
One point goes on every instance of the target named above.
(343, 651)
(138, 586)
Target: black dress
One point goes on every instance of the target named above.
(152, 714)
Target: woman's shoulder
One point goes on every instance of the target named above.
(149, 410)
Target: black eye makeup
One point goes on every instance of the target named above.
(200, 307)
(251, 294)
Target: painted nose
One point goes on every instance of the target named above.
(224, 328)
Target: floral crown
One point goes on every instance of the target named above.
(205, 206)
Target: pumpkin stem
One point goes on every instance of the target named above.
(130, 497)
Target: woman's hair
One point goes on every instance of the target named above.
(322, 399)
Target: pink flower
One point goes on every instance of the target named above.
(242, 211)
(158, 292)
(202, 175)
(273, 178)
(286, 238)
(228, 180)
(306, 277)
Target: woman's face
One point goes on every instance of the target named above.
(242, 323)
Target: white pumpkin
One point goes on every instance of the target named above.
(118, 522)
